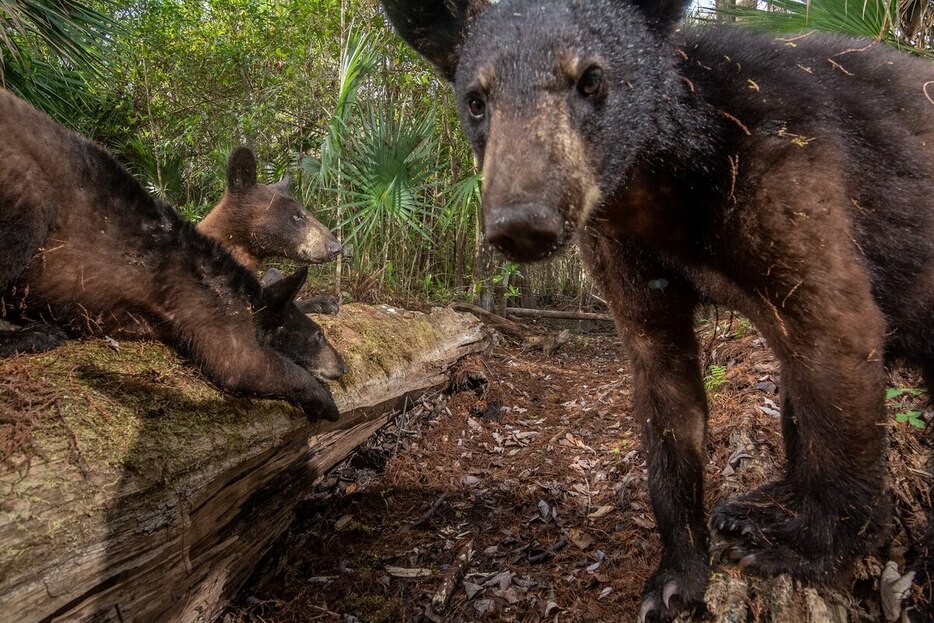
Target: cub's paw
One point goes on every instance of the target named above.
(318, 403)
(771, 531)
(321, 304)
(669, 592)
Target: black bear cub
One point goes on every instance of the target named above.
(83, 246)
(258, 221)
(790, 180)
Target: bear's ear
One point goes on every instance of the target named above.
(283, 185)
(271, 276)
(435, 28)
(279, 294)
(241, 170)
(662, 15)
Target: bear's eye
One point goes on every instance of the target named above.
(319, 337)
(476, 106)
(590, 84)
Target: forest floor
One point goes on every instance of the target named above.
(534, 479)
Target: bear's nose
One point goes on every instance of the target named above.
(525, 233)
(334, 247)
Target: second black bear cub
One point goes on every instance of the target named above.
(258, 221)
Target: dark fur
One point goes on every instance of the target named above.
(792, 182)
(320, 304)
(84, 246)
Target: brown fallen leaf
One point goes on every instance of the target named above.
(644, 522)
(581, 539)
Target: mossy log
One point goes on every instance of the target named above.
(135, 491)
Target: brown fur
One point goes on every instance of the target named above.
(258, 221)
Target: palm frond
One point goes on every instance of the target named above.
(880, 20)
(389, 170)
(463, 201)
(360, 56)
(48, 48)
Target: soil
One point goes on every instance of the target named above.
(523, 489)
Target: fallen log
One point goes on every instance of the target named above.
(501, 324)
(557, 314)
(134, 491)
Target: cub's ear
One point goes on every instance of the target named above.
(280, 294)
(241, 170)
(283, 185)
(435, 28)
(662, 15)
(271, 276)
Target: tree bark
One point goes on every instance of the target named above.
(134, 491)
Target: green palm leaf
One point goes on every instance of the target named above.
(881, 20)
(389, 169)
(49, 47)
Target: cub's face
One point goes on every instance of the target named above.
(558, 98)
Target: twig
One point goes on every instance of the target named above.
(736, 121)
(734, 172)
(839, 66)
(792, 39)
(862, 49)
(790, 292)
(770, 305)
(924, 88)
(431, 511)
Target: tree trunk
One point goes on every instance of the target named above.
(134, 491)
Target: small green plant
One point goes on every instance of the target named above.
(894, 392)
(911, 416)
(506, 272)
(617, 451)
(715, 378)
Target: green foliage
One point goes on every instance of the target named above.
(901, 396)
(912, 417)
(880, 20)
(50, 48)
(715, 377)
(894, 392)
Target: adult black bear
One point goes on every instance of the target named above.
(258, 221)
(793, 181)
(83, 245)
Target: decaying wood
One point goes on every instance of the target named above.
(452, 577)
(557, 314)
(133, 491)
(500, 323)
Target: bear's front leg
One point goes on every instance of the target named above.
(654, 310)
